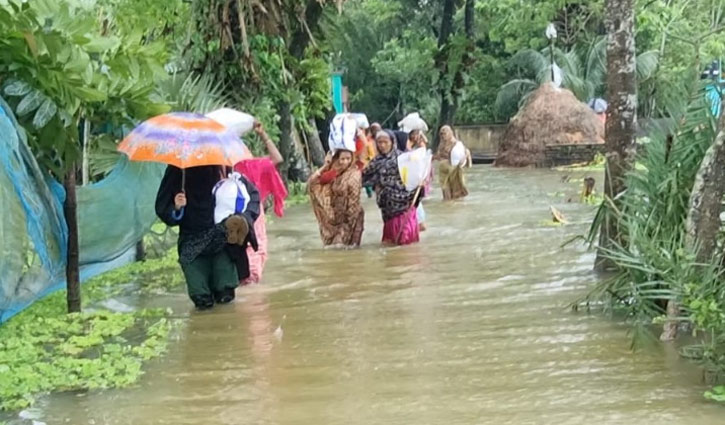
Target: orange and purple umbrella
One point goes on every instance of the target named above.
(184, 140)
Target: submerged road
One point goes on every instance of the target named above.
(468, 327)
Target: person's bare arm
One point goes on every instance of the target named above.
(274, 154)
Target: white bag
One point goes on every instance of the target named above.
(362, 121)
(230, 196)
(237, 121)
(343, 130)
(414, 167)
(458, 154)
(413, 122)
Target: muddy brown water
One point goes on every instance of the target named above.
(468, 327)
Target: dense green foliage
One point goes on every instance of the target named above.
(59, 64)
(400, 36)
(654, 263)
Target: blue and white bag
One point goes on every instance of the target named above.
(343, 130)
(230, 196)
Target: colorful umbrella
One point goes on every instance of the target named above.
(184, 140)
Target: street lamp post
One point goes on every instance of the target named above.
(551, 35)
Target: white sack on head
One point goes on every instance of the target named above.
(343, 130)
(239, 122)
(413, 122)
(362, 120)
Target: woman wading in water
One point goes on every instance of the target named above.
(206, 249)
(451, 176)
(335, 195)
(395, 202)
(262, 172)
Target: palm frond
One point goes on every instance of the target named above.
(511, 94)
(195, 93)
(568, 61)
(597, 60)
(647, 64)
(530, 61)
(103, 156)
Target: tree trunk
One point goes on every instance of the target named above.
(314, 144)
(449, 7)
(450, 91)
(621, 114)
(140, 251)
(703, 219)
(445, 116)
(72, 268)
(85, 170)
(469, 19)
(286, 141)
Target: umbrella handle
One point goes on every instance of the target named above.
(183, 180)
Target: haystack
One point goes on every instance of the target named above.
(551, 116)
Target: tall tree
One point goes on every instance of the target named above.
(442, 64)
(454, 59)
(72, 269)
(621, 115)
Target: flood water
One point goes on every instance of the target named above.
(470, 326)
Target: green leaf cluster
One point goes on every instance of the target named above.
(61, 63)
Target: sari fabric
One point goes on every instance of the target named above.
(337, 207)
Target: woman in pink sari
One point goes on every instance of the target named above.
(262, 172)
(396, 203)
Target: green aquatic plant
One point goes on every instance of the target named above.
(717, 394)
(43, 349)
(594, 199)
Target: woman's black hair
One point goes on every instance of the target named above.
(337, 153)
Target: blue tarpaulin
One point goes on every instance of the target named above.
(113, 215)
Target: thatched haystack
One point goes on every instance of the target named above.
(551, 116)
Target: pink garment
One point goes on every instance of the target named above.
(264, 175)
(402, 230)
(258, 258)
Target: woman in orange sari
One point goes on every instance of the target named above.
(335, 195)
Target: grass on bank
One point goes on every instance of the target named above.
(43, 349)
